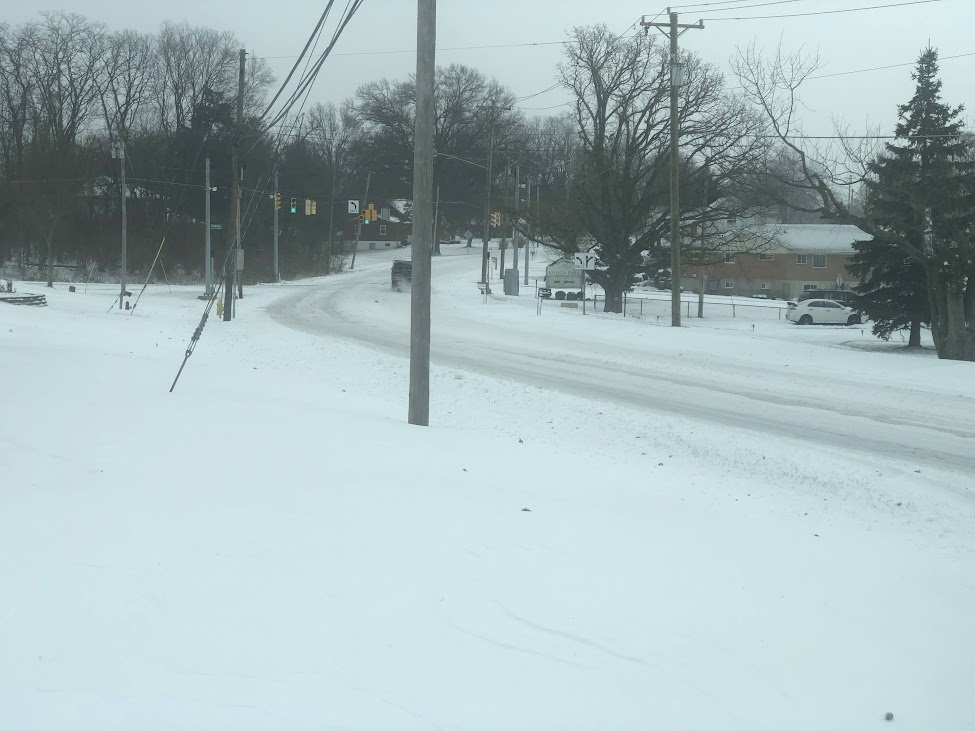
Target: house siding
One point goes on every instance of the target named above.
(784, 277)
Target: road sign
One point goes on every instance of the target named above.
(216, 226)
(468, 234)
(353, 206)
(585, 261)
(544, 292)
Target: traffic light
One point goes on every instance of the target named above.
(496, 219)
(307, 206)
(314, 208)
(294, 205)
(277, 201)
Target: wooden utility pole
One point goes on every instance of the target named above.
(231, 273)
(207, 256)
(516, 236)
(358, 227)
(277, 271)
(426, 41)
(125, 196)
(331, 214)
(676, 79)
(487, 203)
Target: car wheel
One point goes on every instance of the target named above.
(805, 320)
(853, 320)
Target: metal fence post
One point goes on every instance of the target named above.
(641, 307)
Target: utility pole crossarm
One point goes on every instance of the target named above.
(699, 25)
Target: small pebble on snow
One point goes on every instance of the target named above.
(888, 716)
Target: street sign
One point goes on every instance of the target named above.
(544, 292)
(564, 274)
(468, 234)
(585, 260)
(216, 226)
(353, 206)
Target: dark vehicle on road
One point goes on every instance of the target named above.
(843, 296)
(401, 275)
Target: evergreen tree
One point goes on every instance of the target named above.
(921, 201)
(893, 292)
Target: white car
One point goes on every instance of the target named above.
(822, 312)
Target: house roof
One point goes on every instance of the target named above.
(815, 238)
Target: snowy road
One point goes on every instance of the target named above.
(836, 398)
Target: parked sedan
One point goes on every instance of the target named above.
(822, 312)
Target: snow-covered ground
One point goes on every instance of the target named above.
(586, 537)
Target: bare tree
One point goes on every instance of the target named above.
(622, 116)
(129, 70)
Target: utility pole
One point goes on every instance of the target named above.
(487, 203)
(331, 217)
(362, 208)
(515, 235)
(121, 157)
(234, 241)
(436, 222)
(207, 256)
(676, 79)
(426, 43)
(704, 268)
(277, 274)
(528, 242)
(504, 243)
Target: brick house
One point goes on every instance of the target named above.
(802, 257)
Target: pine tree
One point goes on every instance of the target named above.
(922, 202)
(893, 291)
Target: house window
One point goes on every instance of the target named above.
(382, 229)
(729, 258)
(729, 285)
(800, 258)
(810, 287)
(767, 257)
(765, 285)
(819, 261)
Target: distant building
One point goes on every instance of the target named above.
(387, 231)
(803, 257)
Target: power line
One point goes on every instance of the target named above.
(314, 34)
(737, 7)
(539, 93)
(454, 48)
(727, 2)
(826, 12)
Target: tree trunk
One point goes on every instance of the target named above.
(915, 339)
(954, 338)
(328, 257)
(50, 261)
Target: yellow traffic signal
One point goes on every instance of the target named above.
(496, 219)
(277, 201)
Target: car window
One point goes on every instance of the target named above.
(815, 303)
(834, 305)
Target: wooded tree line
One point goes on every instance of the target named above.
(72, 89)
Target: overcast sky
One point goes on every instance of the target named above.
(846, 41)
